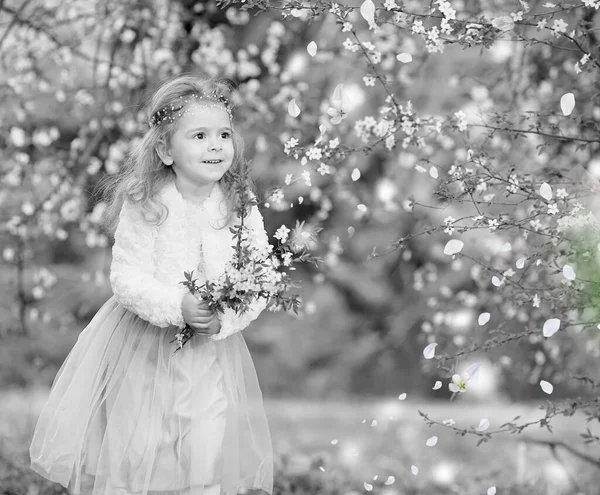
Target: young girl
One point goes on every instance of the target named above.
(127, 414)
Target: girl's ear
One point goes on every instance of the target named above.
(163, 152)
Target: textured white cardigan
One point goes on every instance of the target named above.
(149, 260)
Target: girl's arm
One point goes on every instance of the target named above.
(230, 321)
(132, 272)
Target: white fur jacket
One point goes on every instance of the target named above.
(148, 260)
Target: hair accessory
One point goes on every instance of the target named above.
(171, 112)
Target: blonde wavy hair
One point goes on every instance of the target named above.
(144, 174)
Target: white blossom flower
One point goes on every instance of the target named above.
(459, 384)
(552, 209)
(461, 118)
(282, 233)
(347, 26)
(314, 154)
(493, 224)
(324, 169)
(335, 9)
(369, 80)
(560, 26)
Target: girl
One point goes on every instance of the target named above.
(127, 414)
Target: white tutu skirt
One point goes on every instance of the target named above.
(127, 415)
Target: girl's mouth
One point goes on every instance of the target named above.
(212, 161)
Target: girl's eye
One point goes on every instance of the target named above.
(199, 134)
(226, 134)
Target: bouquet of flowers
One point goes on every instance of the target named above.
(256, 270)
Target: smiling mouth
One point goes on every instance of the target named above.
(212, 161)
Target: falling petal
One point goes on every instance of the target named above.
(551, 326)
(293, 109)
(483, 318)
(437, 385)
(453, 246)
(496, 281)
(546, 191)
(390, 480)
(471, 372)
(402, 396)
(351, 231)
(491, 490)
(405, 58)
(368, 487)
(338, 95)
(506, 247)
(414, 469)
(374, 423)
(546, 386)
(300, 200)
(375, 477)
(334, 441)
(367, 10)
(433, 172)
(429, 351)
(355, 174)
(362, 207)
(322, 468)
(431, 442)
(568, 272)
(484, 424)
(567, 103)
(520, 263)
(312, 48)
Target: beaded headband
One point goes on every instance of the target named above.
(171, 112)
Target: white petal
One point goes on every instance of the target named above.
(390, 480)
(429, 351)
(437, 385)
(355, 174)
(546, 386)
(368, 487)
(453, 246)
(293, 109)
(367, 10)
(491, 490)
(414, 469)
(551, 326)
(496, 281)
(402, 396)
(334, 441)
(546, 191)
(483, 318)
(506, 246)
(351, 231)
(312, 48)
(567, 103)
(471, 372)
(405, 58)
(338, 95)
(568, 272)
(433, 172)
(431, 441)
(484, 424)
(521, 262)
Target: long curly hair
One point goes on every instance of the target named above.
(144, 174)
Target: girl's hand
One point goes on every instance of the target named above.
(198, 315)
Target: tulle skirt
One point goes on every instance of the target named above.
(127, 415)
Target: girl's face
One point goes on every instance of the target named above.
(201, 148)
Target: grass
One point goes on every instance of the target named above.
(365, 454)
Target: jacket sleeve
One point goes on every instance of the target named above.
(231, 322)
(132, 272)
